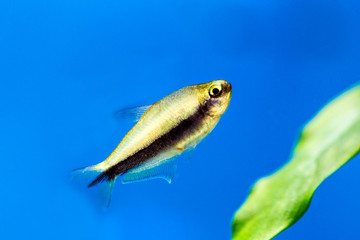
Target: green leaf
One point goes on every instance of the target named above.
(327, 142)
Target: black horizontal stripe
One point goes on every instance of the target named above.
(185, 128)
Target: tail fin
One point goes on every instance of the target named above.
(88, 173)
(99, 179)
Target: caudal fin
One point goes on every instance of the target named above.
(91, 173)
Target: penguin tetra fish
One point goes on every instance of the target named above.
(167, 128)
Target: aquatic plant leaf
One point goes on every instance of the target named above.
(327, 142)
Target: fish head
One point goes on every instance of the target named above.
(215, 97)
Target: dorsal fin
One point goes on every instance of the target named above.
(133, 113)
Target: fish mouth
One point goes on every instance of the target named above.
(228, 87)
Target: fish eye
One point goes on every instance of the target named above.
(215, 91)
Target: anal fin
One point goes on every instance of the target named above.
(152, 169)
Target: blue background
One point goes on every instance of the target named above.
(67, 66)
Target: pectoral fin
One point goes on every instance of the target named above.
(152, 169)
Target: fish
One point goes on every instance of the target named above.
(164, 130)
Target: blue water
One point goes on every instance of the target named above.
(67, 66)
